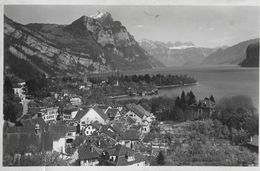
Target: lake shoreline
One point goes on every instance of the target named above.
(155, 95)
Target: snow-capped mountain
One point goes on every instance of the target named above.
(176, 54)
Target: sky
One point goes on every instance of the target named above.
(205, 26)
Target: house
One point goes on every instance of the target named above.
(138, 113)
(145, 126)
(76, 101)
(62, 135)
(69, 112)
(253, 144)
(130, 139)
(149, 116)
(109, 133)
(20, 92)
(104, 107)
(88, 155)
(49, 114)
(134, 113)
(120, 155)
(202, 109)
(113, 113)
(85, 117)
(91, 128)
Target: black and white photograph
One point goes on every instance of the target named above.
(130, 85)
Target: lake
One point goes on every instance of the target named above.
(220, 81)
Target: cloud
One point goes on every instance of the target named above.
(139, 26)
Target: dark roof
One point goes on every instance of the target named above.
(80, 114)
(131, 135)
(254, 141)
(106, 129)
(122, 161)
(136, 127)
(121, 152)
(58, 131)
(34, 110)
(100, 112)
(96, 125)
(117, 129)
(111, 113)
(141, 109)
(119, 125)
(103, 107)
(130, 120)
(31, 123)
(70, 108)
(133, 107)
(88, 152)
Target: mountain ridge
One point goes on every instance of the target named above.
(176, 54)
(81, 47)
(232, 55)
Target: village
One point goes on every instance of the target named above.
(94, 134)
(100, 128)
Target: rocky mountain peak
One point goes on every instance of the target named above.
(102, 16)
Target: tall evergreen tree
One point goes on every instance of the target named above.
(212, 98)
(192, 98)
(183, 97)
(8, 87)
(177, 101)
(160, 159)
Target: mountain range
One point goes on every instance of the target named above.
(92, 44)
(252, 56)
(231, 55)
(98, 44)
(176, 54)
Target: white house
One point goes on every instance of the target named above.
(49, 114)
(76, 101)
(86, 117)
(62, 135)
(91, 128)
(145, 126)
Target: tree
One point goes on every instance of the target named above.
(251, 125)
(212, 98)
(192, 98)
(239, 137)
(160, 158)
(183, 97)
(12, 107)
(8, 87)
(178, 101)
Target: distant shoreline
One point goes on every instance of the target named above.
(155, 95)
(176, 85)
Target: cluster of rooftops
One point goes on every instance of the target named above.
(114, 131)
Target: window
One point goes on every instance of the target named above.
(86, 132)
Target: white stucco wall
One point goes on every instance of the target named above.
(59, 145)
(92, 116)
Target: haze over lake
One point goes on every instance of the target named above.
(220, 81)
